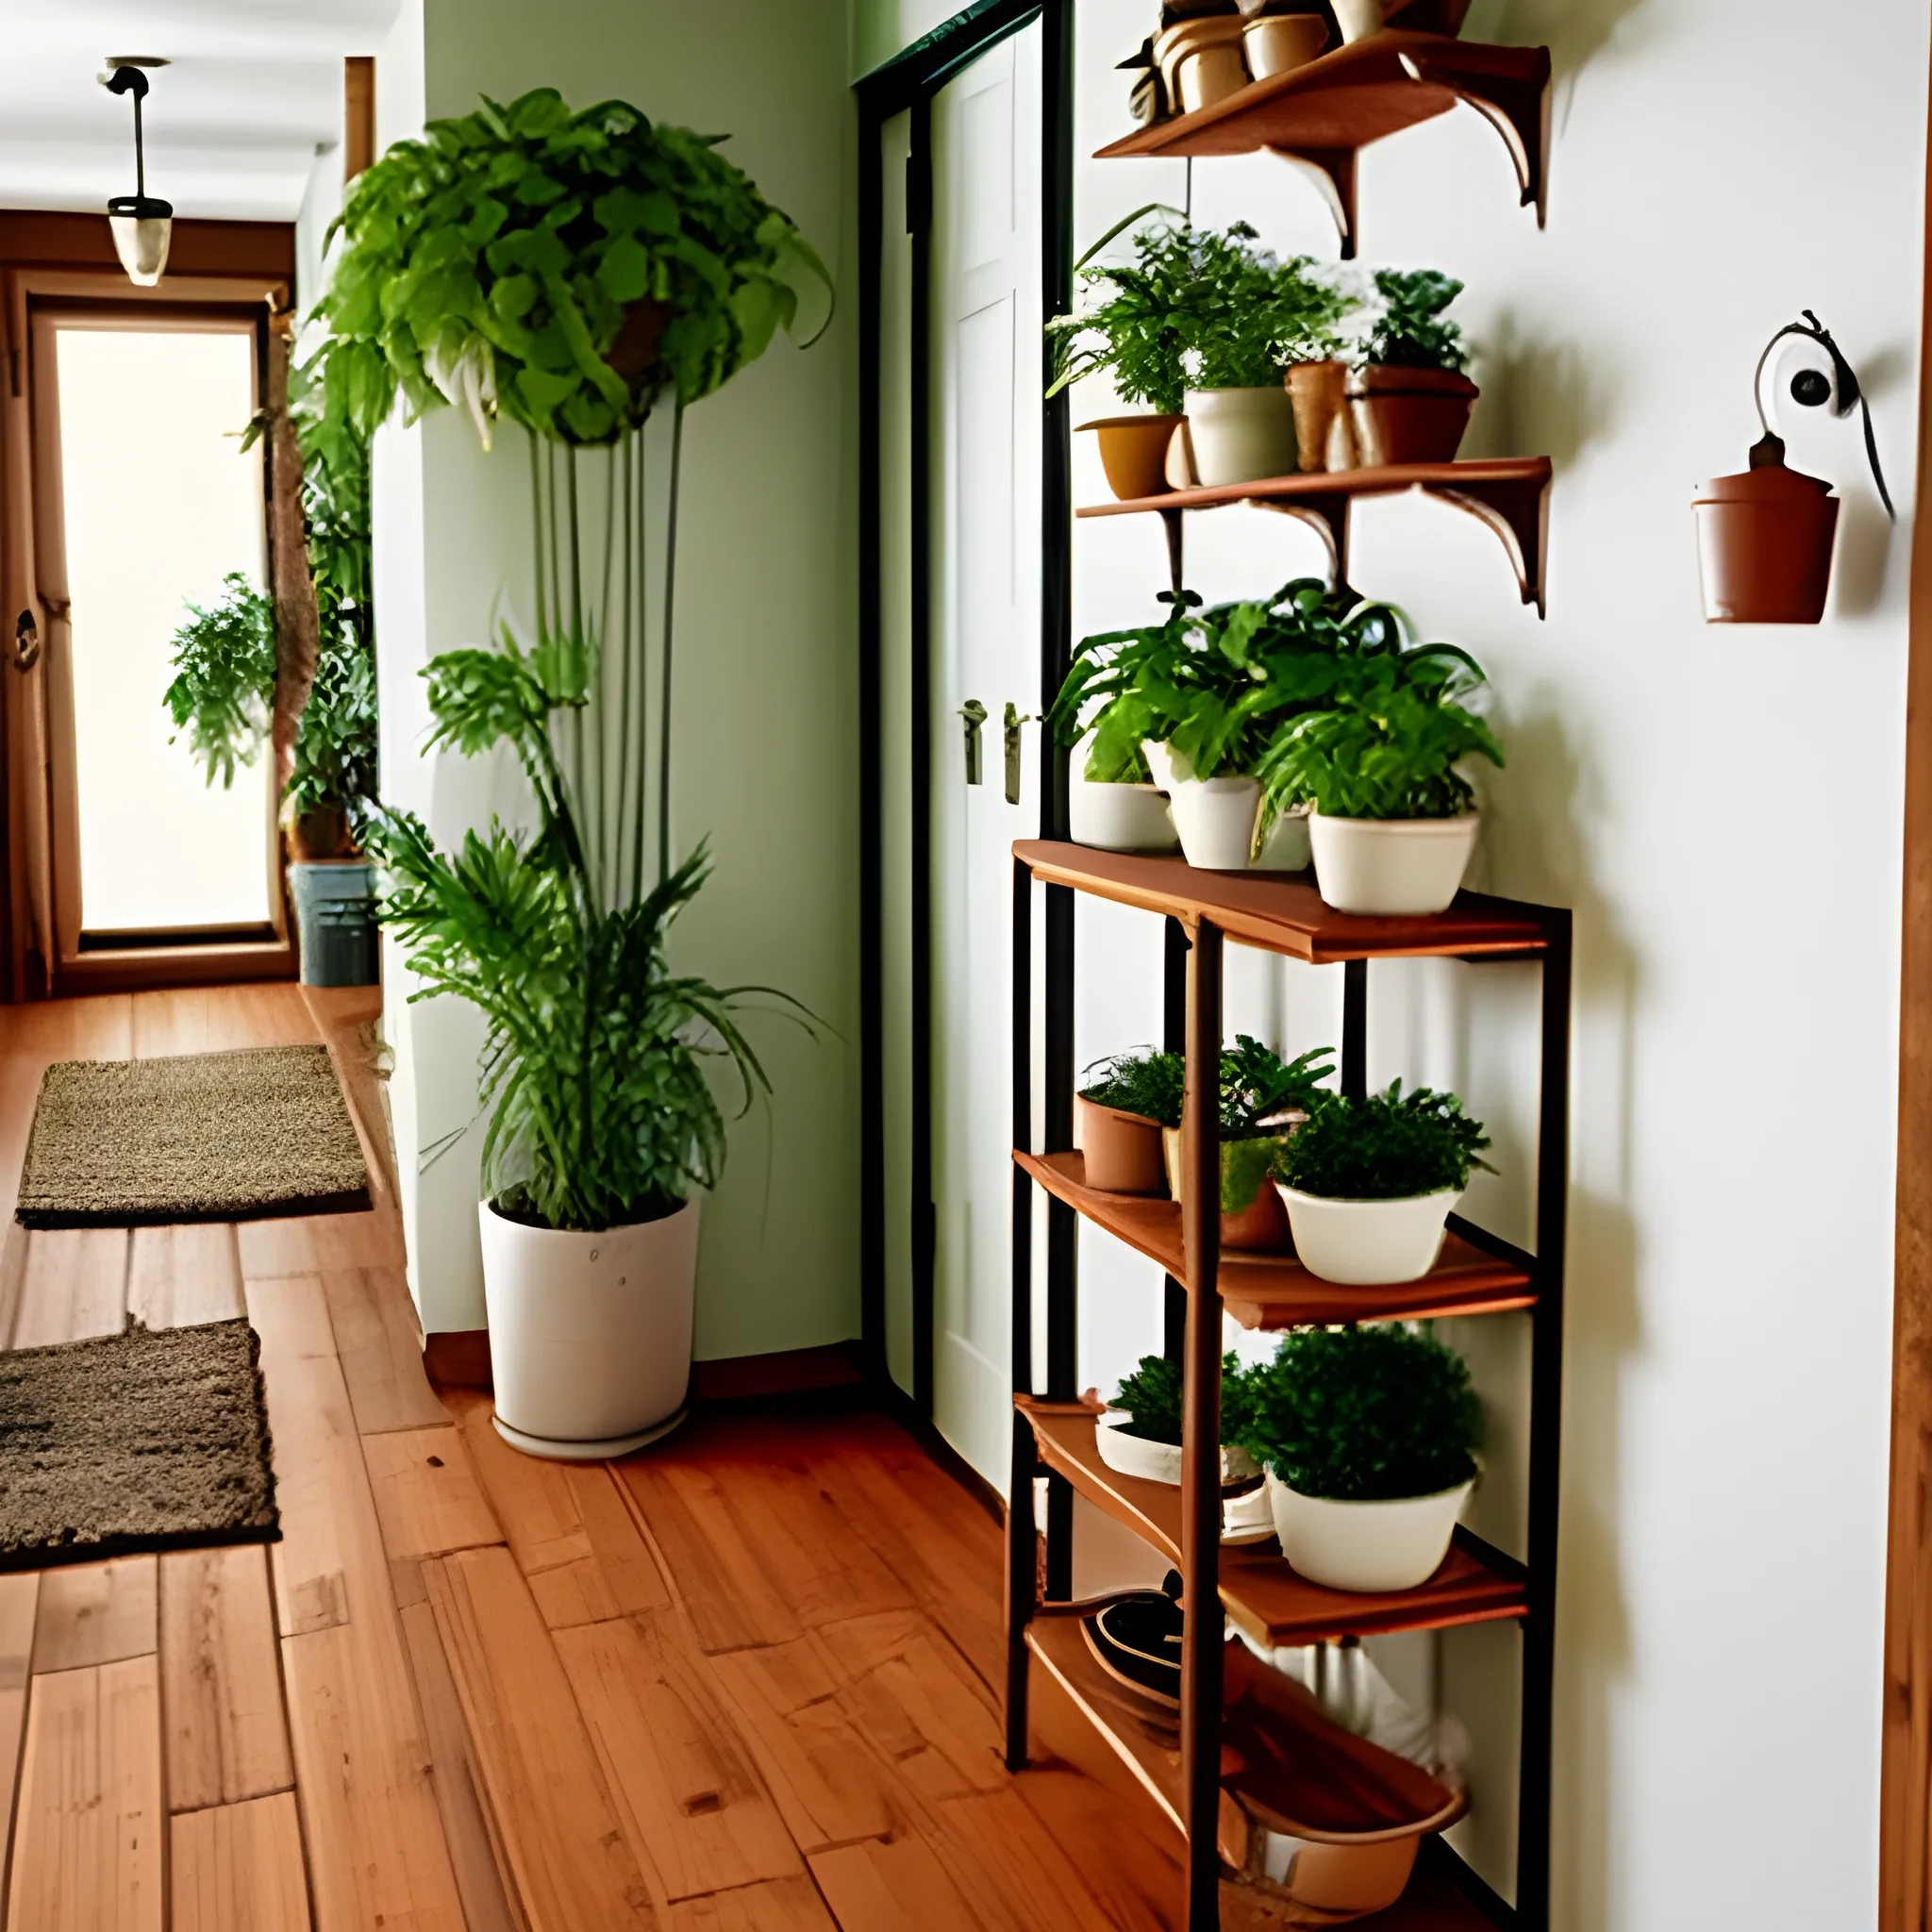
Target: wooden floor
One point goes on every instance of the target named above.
(740, 1683)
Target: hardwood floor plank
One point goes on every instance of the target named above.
(74, 1285)
(894, 1885)
(487, 1905)
(781, 1905)
(238, 1868)
(95, 1613)
(181, 1275)
(1126, 1855)
(87, 1839)
(378, 1858)
(19, 1598)
(428, 1498)
(319, 1243)
(1018, 1877)
(692, 1802)
(228, 1740)
(380, 1347)
(572, 1866)
(569, 1530)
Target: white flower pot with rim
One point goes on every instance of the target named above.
(589, 1334)
(1120, 817)
(1365, 1546)
(1285, 846)
(1368, 1243)
(1157, 1463)
(1394, 868)
(1241, 435)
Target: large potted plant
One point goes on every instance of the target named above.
(1370, 1184)
(1393, 820)
(1411, 397)
(1369, 1436)
(572, 272)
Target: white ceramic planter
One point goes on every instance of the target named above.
(1157, 1463)
(1370, 1242)
(1393, 867)
(1216, 818)
(589, 1334)
(1365, 1546)
(1241, 435)
(1120, 817)
(1286, 846)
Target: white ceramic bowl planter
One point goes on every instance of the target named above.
(1216, 819)
(1241, 435)
(1119, 817)
(1371, 1244)
(1365, 1546)
(1285, 844)
(1157, 1463)
(589, 1334)
(1391, 867)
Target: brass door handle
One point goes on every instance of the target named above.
(1014, 720)
(26, 642)
(973, 712)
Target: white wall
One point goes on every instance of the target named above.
(1721, 806)
(765, 761)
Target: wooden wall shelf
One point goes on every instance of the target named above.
(1282, 912)
(1509, 496)
(1319, 117)
(1272, 1291)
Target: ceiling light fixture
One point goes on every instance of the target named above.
(143, 226)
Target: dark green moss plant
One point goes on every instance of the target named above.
(1194, 309)
(1409, 330)
(1153, 1395)
(1364, 1415)
(1387, 1146)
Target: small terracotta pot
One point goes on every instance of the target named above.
(1324, 431)
(1764, 541)
(1133, 452)
(1201, 61)
(322, 833)
(1280, 43)
(1122, 1150)
(1359, 18)
(1263, 1224)
(1410, 415)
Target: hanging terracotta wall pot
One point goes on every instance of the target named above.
(1410, 415)
(1133, 452)
(1324, 429)
(1764, 541)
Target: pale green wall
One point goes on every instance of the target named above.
(766, 758)
(881, 29)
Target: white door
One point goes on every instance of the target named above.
(985, 610)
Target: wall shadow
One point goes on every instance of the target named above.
(1540, 394)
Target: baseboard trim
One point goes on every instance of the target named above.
(457, 1358)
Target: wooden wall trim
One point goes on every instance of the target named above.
(1905, 1890)
(31, 238)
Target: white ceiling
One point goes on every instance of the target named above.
(232, 126)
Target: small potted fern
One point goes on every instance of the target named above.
(1411, 397)
(1370, 1184)
(1138, 1433)
(1370, 1438)
(1119, 1115)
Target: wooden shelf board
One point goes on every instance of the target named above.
(1279, 913)
(1264, 1597)
(1340, 103)
(1274, 1290)
(1389, 479)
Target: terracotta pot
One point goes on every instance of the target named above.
(1280, 43)
(1201, 61)
(1122, 1150)
(1133, 452)
(1410, 415)
(322, 833)
(1764, 541)
(1324, 431)
(1359, 18)
(1262, 1225)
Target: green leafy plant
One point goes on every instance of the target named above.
(224, 673)
(335, 760)
(1364, 1415)
(1144, 1082)
(594, 1070)
(1409, 330)
(561, 268)
(1153, 1394)
(1257, 1085)
(1384, 1147)
(1195, 308)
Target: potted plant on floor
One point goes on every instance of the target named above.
(1369, 1437)
(1138, 1433)
(1411, 397)
(1370, 1184)
(1393, 820)
(571, 271)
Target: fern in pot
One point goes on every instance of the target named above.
(1138, 1433)
(1411, 396)
(575, 273)
(1370, 1184)
(1370, 1438)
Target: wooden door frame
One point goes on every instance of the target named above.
(35, 707)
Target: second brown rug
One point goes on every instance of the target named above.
(202, 1137)
(137, 1441)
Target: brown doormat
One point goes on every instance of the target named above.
(203, 1137)
(147, 1440)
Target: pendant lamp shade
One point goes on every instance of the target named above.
(141, 225)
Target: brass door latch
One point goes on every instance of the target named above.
(973, 712)
(1014, 720)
